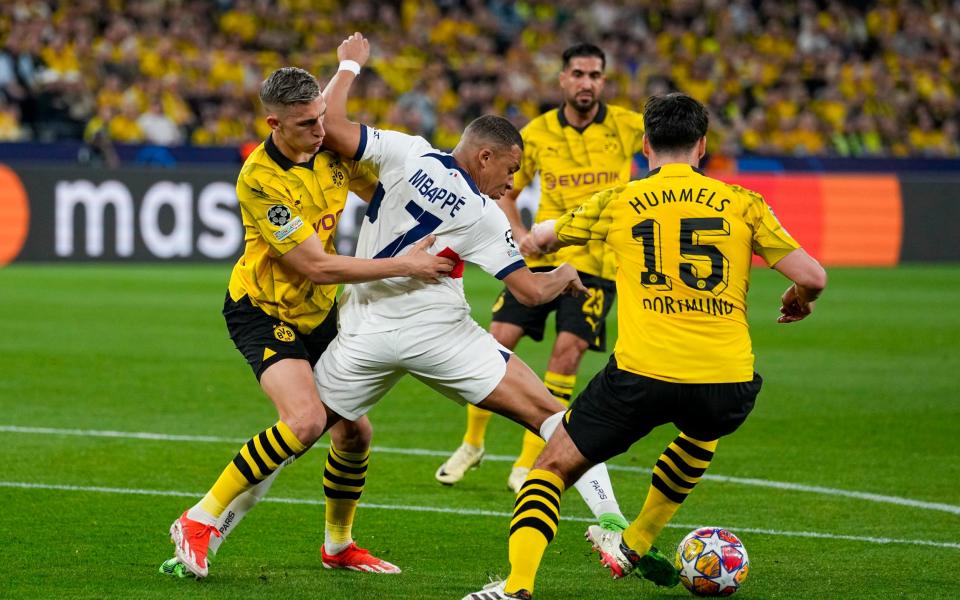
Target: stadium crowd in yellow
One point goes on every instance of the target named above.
(813, 77)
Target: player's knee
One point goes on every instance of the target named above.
(307, 424)
(567, 352)
(352, 436)
(557, 467)
(507, 334)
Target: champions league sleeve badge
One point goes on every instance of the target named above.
(278, 215)
(281, 216)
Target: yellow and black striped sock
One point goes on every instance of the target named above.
(561, 388)
(536, 516)
(677, 471)
(477, 420)
(257, 459)
(343, 478)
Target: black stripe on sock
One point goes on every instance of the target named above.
(268, 448)
(542, 482)
(694, 450)
(537, 492)
(343, 458)
(359, 482)
(684, 466)
(537, 524)
(241, 464)
(329, 492)
(667, 491)
(674, 477)
(561, 395)
(333, 462)
(282, 442)
(252, 449)
(536, 504)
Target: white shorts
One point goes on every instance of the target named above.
(459, 360)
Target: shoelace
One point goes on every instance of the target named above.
(358, 550)
(204, 531)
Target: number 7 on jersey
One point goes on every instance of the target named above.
(427, 223)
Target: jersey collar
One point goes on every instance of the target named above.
(597, 118)
(673, 169)
(285, 163)
(450, 162)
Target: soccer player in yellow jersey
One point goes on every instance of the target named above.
(280, 310)
(684, 243)
(578, 149)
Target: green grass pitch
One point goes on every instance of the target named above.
(844, 482)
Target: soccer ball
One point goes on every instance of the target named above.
(712, 562)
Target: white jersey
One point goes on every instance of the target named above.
(422, 191)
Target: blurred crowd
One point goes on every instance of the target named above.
(808, 77)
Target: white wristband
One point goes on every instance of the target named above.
(350, 65)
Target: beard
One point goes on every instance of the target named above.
(583, 104)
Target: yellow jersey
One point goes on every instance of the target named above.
(574, 164)
(684, 243)
(282, 204)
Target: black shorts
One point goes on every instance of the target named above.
(617, 408)
(584, 317)
(263, 340)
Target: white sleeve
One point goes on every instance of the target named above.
(488, 243)
(388, 150)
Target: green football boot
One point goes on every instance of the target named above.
(175, 568)
(654, 566)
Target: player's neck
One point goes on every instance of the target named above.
(464, 162)
(578, 119)
(657, 161)
(288, 151)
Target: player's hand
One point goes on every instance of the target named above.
(792, 307)
(542, 238)
(528, 246)
(575, 288)
(425, 266)
(517, 234)
(356, 47)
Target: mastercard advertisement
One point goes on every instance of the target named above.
(56, 214)
(14, 215)
(839, 219)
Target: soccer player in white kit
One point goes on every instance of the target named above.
(397, 326)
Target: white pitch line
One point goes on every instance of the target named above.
(465, 512)
(748, 481)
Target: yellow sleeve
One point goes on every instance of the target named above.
(528, 165)
(362, 178)
(636, 122)
(589, 221)
(268, 207)
(770, 240)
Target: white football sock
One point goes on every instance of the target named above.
(594, 486)
(332, 547)
(241, 505)
(597, 491)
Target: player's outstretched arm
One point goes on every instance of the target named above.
(809, 281)
(543, 237)
(342, 135)
(310, 259)
(532, 289)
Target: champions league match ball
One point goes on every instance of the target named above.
(712, 562)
